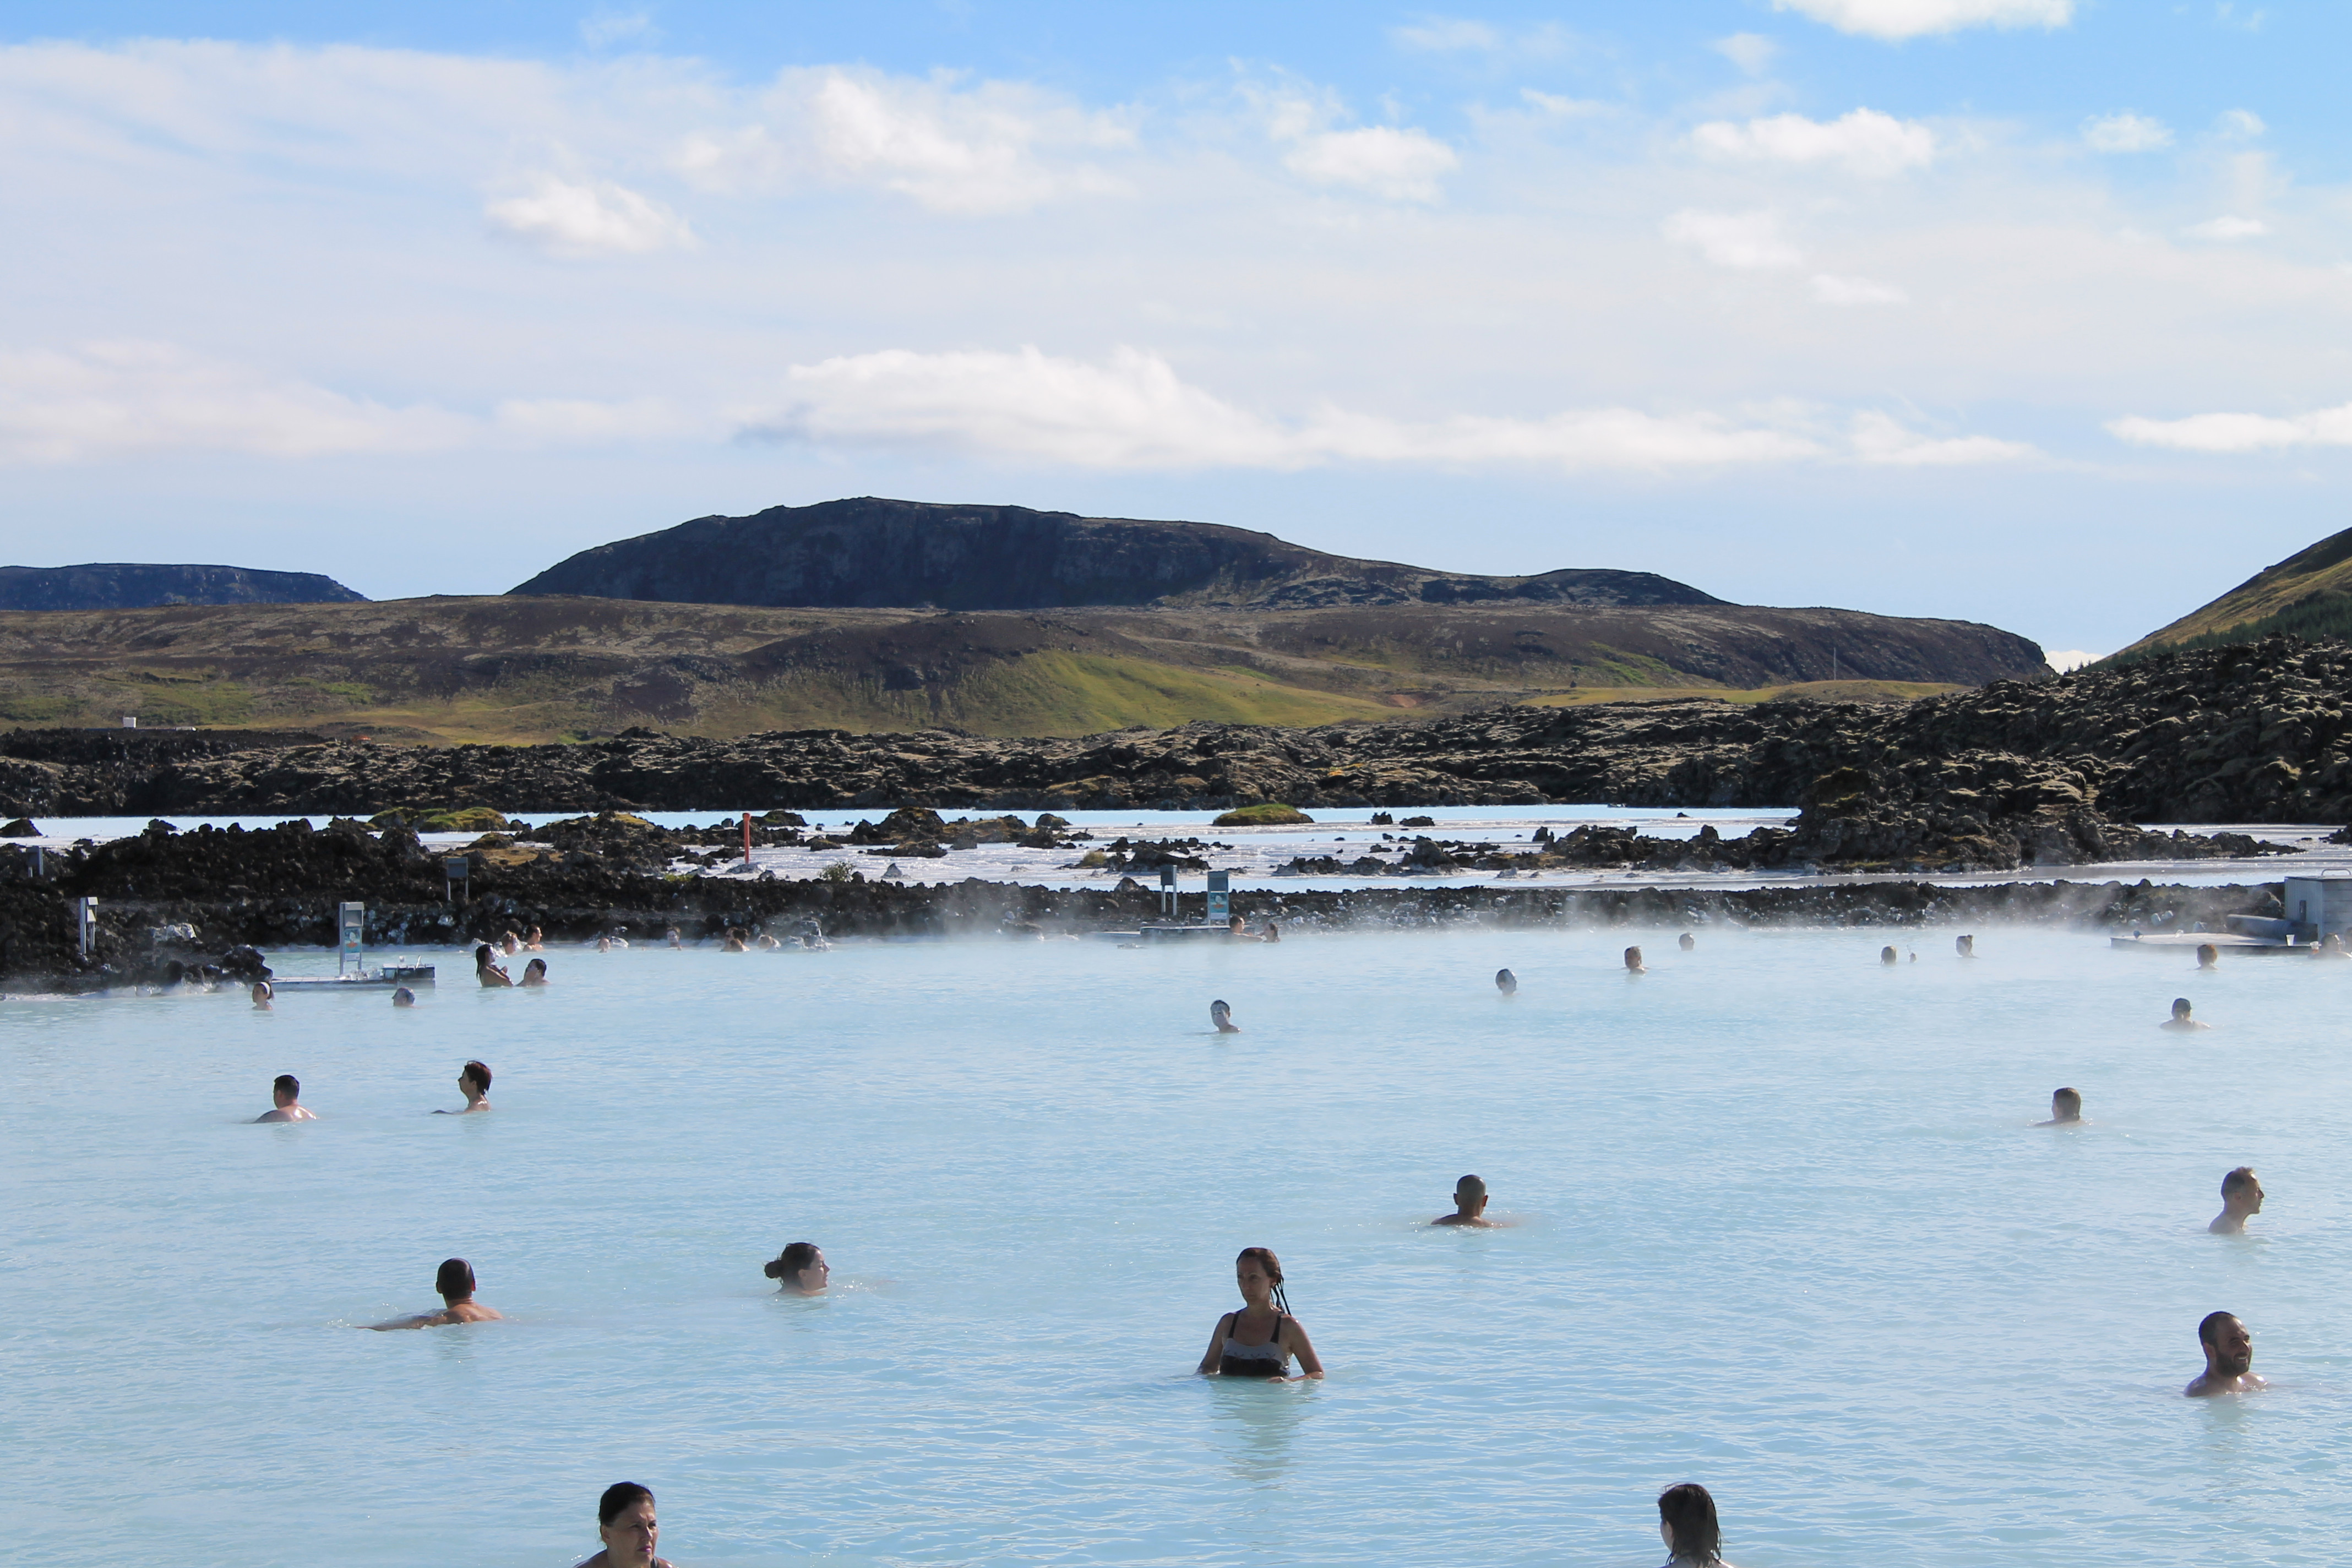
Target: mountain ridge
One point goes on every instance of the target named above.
(132, 584)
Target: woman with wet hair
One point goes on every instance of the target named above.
(625, 1524)
(1687, 1519)
(488, 970)
(456, 1284)
(474, 1083)
(801, 1268)
(1259, 1340)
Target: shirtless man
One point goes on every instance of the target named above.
(2066, 1109)
(2229, 1358)
(2241, 1199)
(1633, 964)
(474, 1083)
(2180, 1022)
(456, 1284)
(286, 1094)
(1221, 1013)
(1469, 1204)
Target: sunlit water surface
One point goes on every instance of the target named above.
(1782, 1226)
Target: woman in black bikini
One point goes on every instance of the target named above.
(1259, 1340)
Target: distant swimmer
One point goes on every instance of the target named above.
(1694, 1535)
(734, 942)
(1259, 1340)
(535, 972)
(2241, 1199)
(456, 1284)
(2180, 1020)
(534, 942)
(1966, 946)
(603, 944)
(1507, 983)
(474, 1083)
(1633, 964)
(1221, 1013)
(2208, 956)
(2229, 1347)
(1686, 941)
(1273, 932)
(624, 1522)
(2330, 946)
(261, 994)
(510, 943)
(401, 996)
(674, 940)
(2066, 1109)
(1469, 1204)
(1888, 955)
(488, 970)
(801, 1269)
(769, 943)
(286, 1097)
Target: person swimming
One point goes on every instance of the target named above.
(535, 942)
(1686, 941)
(801, 1268)
(626, 1524)
(1221, 1013)
(734, 942)
(1507, 983)
(1273, 932)
(1259, 1340)
(2330, 946)
(1966, 946)
(1633, 964)
(2229, 1347)
(769, 943)
(1889, 956)
(674, 938)
(2208, 956)
(2180, 1020)
(510, 943)
(456, 1283)
(1694, 1535)
(401, 996)
(488, 970)
(474, 1083)
(603, 944)
(2241, 1199)
(1469, 1204)
(2066, 1109)
(261, 994)
(535, 972)
(285, 1101)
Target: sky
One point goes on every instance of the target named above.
(2032, 312)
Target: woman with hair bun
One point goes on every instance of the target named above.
(625, 1524)
(1687, 1519)
(1259, 1340)
(801, 1268)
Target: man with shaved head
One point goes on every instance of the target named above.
(2229, 1358)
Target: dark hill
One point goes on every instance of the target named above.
(2308, 595)
(874, 553)
(125, 585)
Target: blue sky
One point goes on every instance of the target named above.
(2027, 312)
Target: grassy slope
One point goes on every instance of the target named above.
(508, 670)
(2309, 593)
(1815, 690)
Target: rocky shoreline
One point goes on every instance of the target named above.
(200, 899)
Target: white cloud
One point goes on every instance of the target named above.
(2229, 433)
(605, 29)
(1135, 412)
(992, 149)
(1743, 240)
(1447, 35)
(1863, 141)
(1897, 19)
(2125, 133)
(1830, 289)
(2063, 659)
(2238, 125)
(1399, 163)
(111, 399)
(1751, 52)
(573, 218)
(1881, 438)
(2227, 228)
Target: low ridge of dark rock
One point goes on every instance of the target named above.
(132, 585)
(871, 553)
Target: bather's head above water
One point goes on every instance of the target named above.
(401, 996)
(2180, 1018)
(2241, 1199)
(1686, 941)
(1221, 1013)
(2065, 1106)
(2229, 1347)
(1888, 955)
(626, 1525)
(2207, 955)
(1507, 983)
(285, 1101)
(261, 994)
(1966, 946)
(1469, 1203)
(1687, 1520)
(1633, 964)
(800, 1269)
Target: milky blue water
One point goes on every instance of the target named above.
(1782, 1227)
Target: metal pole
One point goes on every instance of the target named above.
(746, 838)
